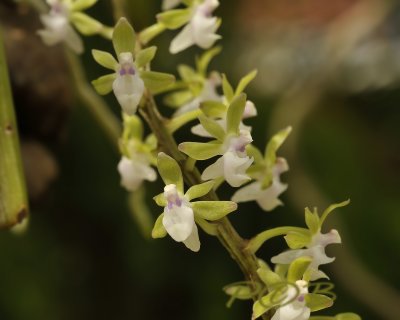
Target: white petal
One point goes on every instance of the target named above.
(204, 30)
(179, 222)
(235, 168)
(324, 239)
(193, 242)
(214, 170)
(128, 90)
(249, 110)
(250, 192)
(191, 105)
(133, 173)
(317, 274)
(268, 199)
(199, 130)
(287, 256)
(183, 40)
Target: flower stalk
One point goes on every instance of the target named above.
(226, 233)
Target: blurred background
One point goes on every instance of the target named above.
(330, 69)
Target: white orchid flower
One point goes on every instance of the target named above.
(58, 28)
(128, 87)
(209, 93)
(180, 214)
(268, 198)
(178, 219)
(315, 249)
(249, 111)
(135, 170)
(200, 29)
(294, 305)
(234, 161)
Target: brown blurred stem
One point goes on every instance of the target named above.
(91, 100)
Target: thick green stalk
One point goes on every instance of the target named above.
(227, 235)
(13, 197)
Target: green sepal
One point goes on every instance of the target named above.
(160, 200)
(133, 127)
(213, 109)
(297, 240)
(103, 84)
(178, 99)
(332, 207)
(227, 89)
(297, 268)
(104, 59)
(124, 37)
(170, 171)
(85, 24)
(274, 144)
(213, 210)
(347, 316)
(264, 304)
(145, 56)
(174, 19)
(269, 277)
(255, 171)
(312, 221)
(151, 32)
(208, 227)
(212, 127)
(252, 151)
(157, 82)
(244, 82)
(318, 302)
(204, 60)
(158, 229)
(199, 190)
(240, 291)
(235, 113)
(188, 74)
(79, 5)
(200, 150)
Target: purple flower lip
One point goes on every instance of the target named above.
(176, 202)
(124, 71)
(300, 298)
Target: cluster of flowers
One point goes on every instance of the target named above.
(221, 114)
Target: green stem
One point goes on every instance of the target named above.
(13, 197)
(226, 233)
(95, 105)
(256, 242)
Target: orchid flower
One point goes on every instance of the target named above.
(180, 214)
(62, 15)
(137, 158)
(267, 170)
(217, 108)
(311, 243)
(230, 144)
(129, 79)
(294, 305)
(200, 25)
